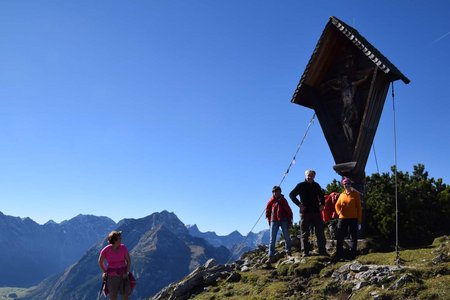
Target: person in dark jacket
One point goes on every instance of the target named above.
(311, 204)
(279, 214)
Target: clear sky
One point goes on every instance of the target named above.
(125, 108)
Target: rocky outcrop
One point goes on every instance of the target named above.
(302, 276)
(360, 275)
(200, 278)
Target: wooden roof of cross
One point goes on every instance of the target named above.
(322, 58)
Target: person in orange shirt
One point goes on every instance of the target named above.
(348, 208)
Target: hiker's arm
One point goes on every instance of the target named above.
(101, 263)
(293, 195)
(128, 259)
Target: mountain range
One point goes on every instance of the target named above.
(31, 252)
(161, 249)
(235, 242)
(61, 259)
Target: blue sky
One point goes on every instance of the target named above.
(125, 108)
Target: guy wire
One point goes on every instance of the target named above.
(282, 179)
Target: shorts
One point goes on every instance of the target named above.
(116, 285)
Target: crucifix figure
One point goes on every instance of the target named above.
(349, 115)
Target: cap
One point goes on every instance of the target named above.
(346, 181)
(276, 188)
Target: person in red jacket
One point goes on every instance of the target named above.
(279, 214)
(329, 215)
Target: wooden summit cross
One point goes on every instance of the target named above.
(346, 82)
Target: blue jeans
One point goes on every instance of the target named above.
(274, 226)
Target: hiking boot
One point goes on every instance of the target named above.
(324, 253)
(305, 254)
(270, 260)
(336, 258)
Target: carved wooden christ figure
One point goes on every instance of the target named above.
(347, 84)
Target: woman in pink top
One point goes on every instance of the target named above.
(118, 266)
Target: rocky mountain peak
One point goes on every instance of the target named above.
(192, 228)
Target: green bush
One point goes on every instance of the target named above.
(423, 207)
